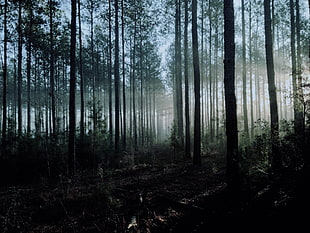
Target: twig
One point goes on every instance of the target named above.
(67, 215)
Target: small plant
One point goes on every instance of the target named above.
(175, 140)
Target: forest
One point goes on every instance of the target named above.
(154, 116)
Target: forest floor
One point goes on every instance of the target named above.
(159, 197)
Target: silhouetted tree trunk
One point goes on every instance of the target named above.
(250, 75)
(300, 124)
(29, 54)
(72, 116)
(93, 72)
(276, 159)
(110, 78)
(124, 80)
(244, 71)
(4, 84)
(211, 120)
(232, 173)
(135, 139)
(178, 72)
(197, 149)
(186, 91)
(82, 110)
(116, 81)
(52, 68)
(19, 70)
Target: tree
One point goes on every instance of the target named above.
(19, 69)
(232, 170)
(297, 76)
(276, 159)
(110, 77)
(72, 116)
(52, 66)
(197, 149)
(124, 80)
(116, 81)
(29, 8)
(81, 73)
(4, 98)
(178, 73)
(244, 71)
(186, 91)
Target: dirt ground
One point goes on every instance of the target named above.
(163, 197)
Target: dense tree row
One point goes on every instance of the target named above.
(125, 74)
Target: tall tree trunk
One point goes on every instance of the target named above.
(232, 173)
(19, 70)
(197, 139)
(93, 73)
(72, 116)
(52, 65)
(4, 85)
(202, 126)
(276, 159)
(135, 139)
(110, 78)
(244, 71)
(124, 78)
(116, 81)
(82, 110)
(250, 75)
(178, 73)
(293, 56)
(210, 75)
(186, 91)
(299, 116)
(29, 43)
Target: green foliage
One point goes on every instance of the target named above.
(256, 158)
(174, 139)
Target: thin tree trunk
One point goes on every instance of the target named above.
(232, 172)
(4, 85)
(135, 139)
(29, 48)
(299, 120)
(178, 73)
(250, 75)
(244, 71)
(19, 70)
(93, 73)
(210, 75)
(82, 110)
(72, 116)
(187, 117)
(110, 78)
(197, 136)
(116, 82)
(52, 81)
(276, 159)
(124, 78)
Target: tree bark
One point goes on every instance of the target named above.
(186, 91)
(116, 81)
(276, 159)
(4, 85)
(244, 71)
(178, 73)
(124, 78)
(82, 121)
(197, 136)
(232, 170)
(72, 116)
(110, 78)
(52, 65)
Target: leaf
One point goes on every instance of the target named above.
(133, 222)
